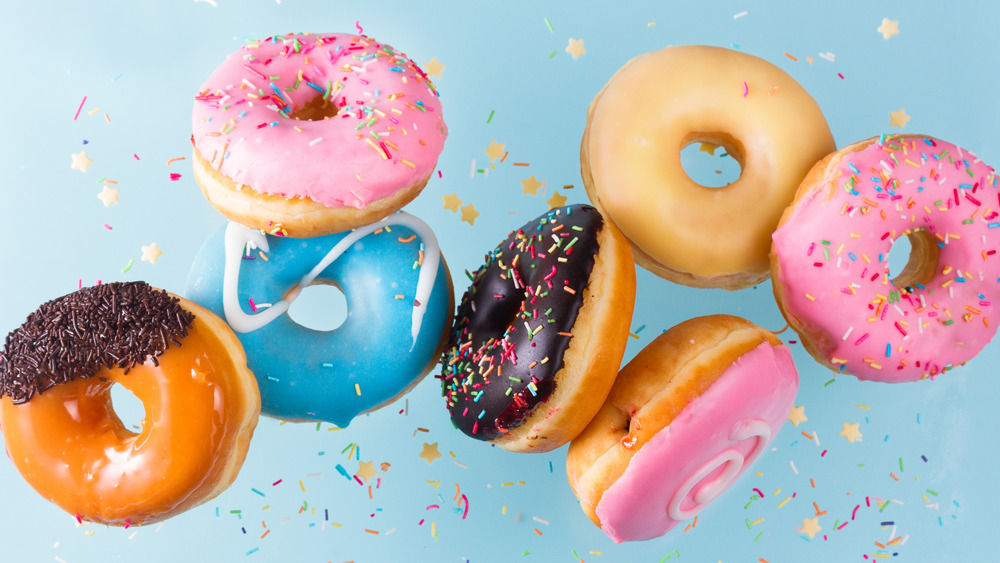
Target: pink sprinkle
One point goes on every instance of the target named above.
(174, 176)
(79, 108)
(254, 72)
(841, 527)
(853, 514)
(862, 339)
(107, 226)
(357, 26)
(433, 506)
(746, 89)
(135, 156)
(759, 493)
(466, 499)
(824, 453)
(276, 482)
(253, 307)
(358, 479)
(840, 75)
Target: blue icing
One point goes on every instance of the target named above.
(305, 374)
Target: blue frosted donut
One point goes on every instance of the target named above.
(399, 303)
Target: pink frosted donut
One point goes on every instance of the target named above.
(315, 134)
(684, 419)
(830, 266)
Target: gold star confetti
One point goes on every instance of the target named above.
(108, 195)
(451, 202)
(898, 118)
(81, 161)
(469, 214)
(708, 147)
(576, 48)
(433, 68)
(151, 253)
(366, 470)
(557, 200)
(495, 150)
(810, 526)
(851, 432)
(888, 28)
(430, 452)
(531, 185)
(797, 415)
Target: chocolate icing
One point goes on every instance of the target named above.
(515, 321)
(109, 325)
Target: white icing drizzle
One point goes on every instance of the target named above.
(237, 236)
(733, 460)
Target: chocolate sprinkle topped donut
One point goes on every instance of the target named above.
(514, 323)
(110, 325)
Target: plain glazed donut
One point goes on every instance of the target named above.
(683, 421)
(540, 333)
(184, 364)
(399, 305)
(315, 134)
(830, 265)
(663, 101)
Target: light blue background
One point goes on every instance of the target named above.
(140, 63)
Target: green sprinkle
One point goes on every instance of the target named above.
(900, 465)
(829, 382)
(490, 118)
(883, 506)
(128, 266)
(549, 25)
(932, 492)
(552, 54)
(758, 537)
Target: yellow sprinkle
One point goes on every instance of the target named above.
(782, 503)
(357, 389)
(407, 162)
(810, 297)
(302, 486)
(864, 407)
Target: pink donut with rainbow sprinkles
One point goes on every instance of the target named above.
(314, 134)
(830, 268)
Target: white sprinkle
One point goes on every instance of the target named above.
(472, 170)
(792, 465)
(314, 141)
(537, 519)
(828, 56)
(850, 329)
(739, 15)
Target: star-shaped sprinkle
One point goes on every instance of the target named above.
(469, 214)
(576, 48)
(708, 147)
(433, 68)
(797, 415)
(495, 150)
(557, 200)
(810, 527)
(531, 185)
(81, 161)
(366, 470)
(888, 28)
(851, 432)
(430, 452)
(108, 195)
(451, 202)
(151, 253)
(898, 118)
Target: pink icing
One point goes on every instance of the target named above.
(833, 254)
(706, 447)
(386, 135)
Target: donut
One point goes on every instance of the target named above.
(60, 427)
(399, 305)
(540, 334)
(663, 101)
(830, 264)
(314, 134)
(684, 419)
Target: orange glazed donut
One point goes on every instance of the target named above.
(663, 101)
(184, 364)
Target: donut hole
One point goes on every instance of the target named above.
(321, 306)
(913, 259)
(127, 407)
(316, 109)
(712, 160)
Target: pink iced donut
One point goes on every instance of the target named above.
(315, 134)
(829, 262)
(684, 419)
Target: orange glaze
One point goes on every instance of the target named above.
(69, 444)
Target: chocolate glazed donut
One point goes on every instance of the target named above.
(515, 324)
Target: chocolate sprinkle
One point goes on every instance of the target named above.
(514, 323)
(113, 325)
